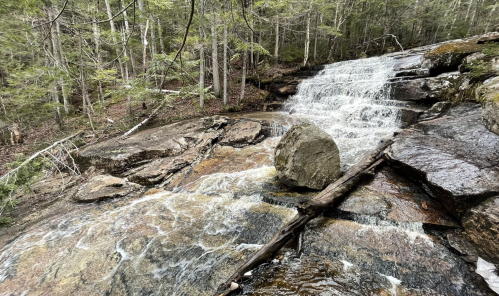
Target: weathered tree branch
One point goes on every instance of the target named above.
(38, 154)
(154, 112)
(307, 212)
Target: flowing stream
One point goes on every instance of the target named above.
(351, 101)
(188, 239)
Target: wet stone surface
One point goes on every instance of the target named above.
(161, 244)
(389, 196)
(103, 187)
(482, 229)
(349, 258)
(441, 152)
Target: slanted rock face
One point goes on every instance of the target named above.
(482, 229)
(116, 156)
(306, 156)
(490, 113)
(429, 88)
(242, 134)
(449, 54)
(104, 187)
(455, 157)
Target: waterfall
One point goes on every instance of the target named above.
(351, 101)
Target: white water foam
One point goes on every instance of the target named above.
(488, 271)
(350, 101)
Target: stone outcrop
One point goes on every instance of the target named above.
(448, 55)
(103, 187)
(455, 157)
(242, 134)
(153, 156)
(490, 37)
(116, 155)
(420, 89)
(306, 156)
(389, 196)
(490, 93)
(409, 116)
(482, 229)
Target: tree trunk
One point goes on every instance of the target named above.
(316, 35)
(489, 18)
(144, 54)
(57, 54)
(225, 56)
(214, 55)
(96, 33)
(131, 56)
(243, 78)
(160, 33)
(84, 91)
(309, 211)
(113, 32)
(252, 61)
(62, 83)
(456, 13)
(276, 49)
(307, 38)
(201, 56)
(259, 45)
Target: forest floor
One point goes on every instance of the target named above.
(37, 137)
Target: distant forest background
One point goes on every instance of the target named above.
(67, 64)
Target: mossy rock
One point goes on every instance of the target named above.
(488, 94)
(449, 54)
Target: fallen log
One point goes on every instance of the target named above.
(307, 212)
(154, 112)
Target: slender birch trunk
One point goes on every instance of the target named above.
(201, 56)
(214, 54)
(316, 35)
(84, 91)
(276, 49)
(130, 51)
(96, 34)
(307, 38)
(113, 32)
(243, 78)
(225, 56)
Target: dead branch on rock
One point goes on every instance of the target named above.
(307, 212)
(57, 154)
(154, 112)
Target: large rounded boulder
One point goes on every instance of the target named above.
(306, 156)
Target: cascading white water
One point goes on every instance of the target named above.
(351, 101)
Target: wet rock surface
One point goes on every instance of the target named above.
(481, 225)
(103, 187)
(306, 156)
(420, 263)
(389, 196)
(455, 157)
(160, 244)
(350, 258)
